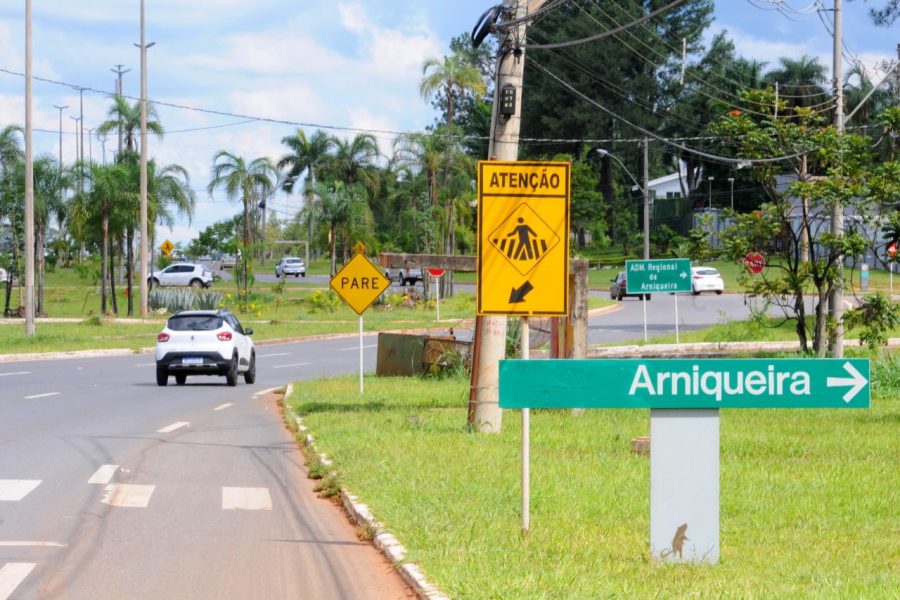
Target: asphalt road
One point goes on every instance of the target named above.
(112, 487)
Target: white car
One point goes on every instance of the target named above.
(290, 265)
(204, 342)
(182, 274)
(706, 279)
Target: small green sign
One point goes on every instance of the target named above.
(658, 275)
(685, 383)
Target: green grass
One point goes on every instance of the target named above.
(808, 497)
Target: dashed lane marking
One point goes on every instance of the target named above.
(246, 498)
(31, 544)
(15, 373)
(224, 406)
(47, 395)
(13, 490)
(173, 427)
(11, 575)
(127, 495)
(357, 347)
(104, 474)
(275, 354)
(303, 364)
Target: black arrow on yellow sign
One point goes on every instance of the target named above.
(518, 294)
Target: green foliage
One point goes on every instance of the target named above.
(208, 300)
(876, 316)
(324, 301)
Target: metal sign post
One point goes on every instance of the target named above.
(436, 274)
(670, 275)
(359, 283)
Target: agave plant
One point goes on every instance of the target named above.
(208, 300)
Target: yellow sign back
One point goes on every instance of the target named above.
(523, 238)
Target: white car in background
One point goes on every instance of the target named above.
(204, 342)
(290, 265)
(706, 279)
(182, 274)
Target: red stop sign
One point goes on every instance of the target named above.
(435, 272)
(754, 262)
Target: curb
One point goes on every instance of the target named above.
(389, 546)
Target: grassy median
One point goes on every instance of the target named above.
(808, 497)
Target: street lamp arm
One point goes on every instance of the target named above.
(603, 152)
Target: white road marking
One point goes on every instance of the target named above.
(357, 347)
(15, 373)
(173, 427)
(42, 395)
(275, 354)
(11, 575)
(246, 498)
(31, 544)
(303, 364)
(104, 474)
(224, 406)
(265, 391)
(153, 364)
(13, 490)
(128, 495)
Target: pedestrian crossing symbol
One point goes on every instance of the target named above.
(523, 238)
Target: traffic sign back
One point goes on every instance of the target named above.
(359, 283)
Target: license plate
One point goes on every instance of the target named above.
(192, 360)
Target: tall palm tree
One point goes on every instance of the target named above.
(307, 155)
(240, 178)
(10, 147)
(128, 118)
(353, 161)
(340, 207)
(453, 75)
(857, 87)
(10, 155)
(800, 82)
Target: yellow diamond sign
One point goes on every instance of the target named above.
(359, 283)
(523, 238)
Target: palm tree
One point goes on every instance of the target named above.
(307, 155)
(10, 147)
(127, 117)
(453, 75)
(858, 95)
(10, 155)
(800, 81)
(340, 207)
(353, 160)
(241, 178)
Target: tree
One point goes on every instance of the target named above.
(887, 15)
(844, 173)
(128, 118)
(455, 76)
(800, 82)
(353, 161)
(338, 207)
(240, 178)
(306, 155)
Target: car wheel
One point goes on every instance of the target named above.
(232, 374)
(196, 283)
(303, 274)
(718, 292)
(250, 374)
(694, 292)
(162, 376)
(154, 282)
(180, 378)
(647, 297)
(296, 275)
(620, 295)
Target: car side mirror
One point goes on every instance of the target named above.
(248, 331)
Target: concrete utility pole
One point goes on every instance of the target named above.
(837, 214)
(29, 183)
(145, 293)
(81, 125)
(490, 332)
(77, 155)
(60, 108)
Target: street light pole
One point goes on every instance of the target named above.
(145, 293)
(29, 183)
(709, 195)
(645, 192)
(60, 134)
(77, 153)
(731, 181)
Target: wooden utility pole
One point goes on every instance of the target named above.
(490, 332)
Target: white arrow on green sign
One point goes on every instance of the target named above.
(658, 275)
(685, 383)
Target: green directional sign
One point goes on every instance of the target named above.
(685, 383)
(658, 275)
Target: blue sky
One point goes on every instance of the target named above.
(354, 64)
